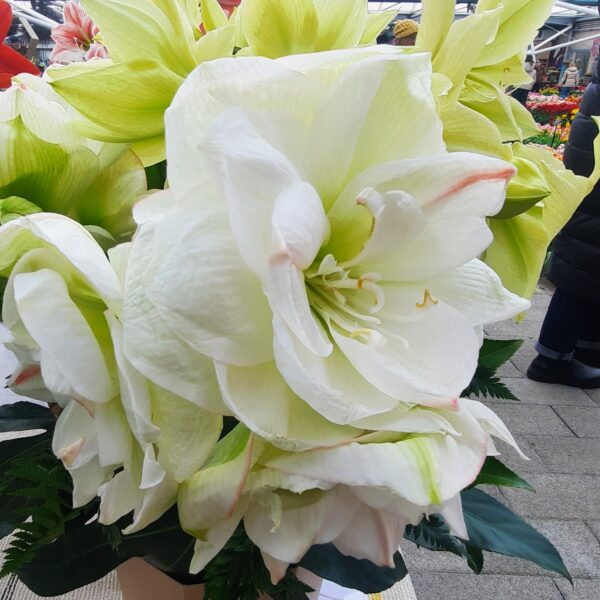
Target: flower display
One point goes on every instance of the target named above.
(52, 167)
(11, 62)
(271, 359)
(77, 38)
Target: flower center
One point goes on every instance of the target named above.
(347, 300)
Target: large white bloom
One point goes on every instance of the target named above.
(121, 437)
(322, 253)
(313, 271)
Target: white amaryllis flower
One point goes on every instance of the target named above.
(121, 437)
(314, 268)
(322, 253)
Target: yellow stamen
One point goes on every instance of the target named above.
(428, 300)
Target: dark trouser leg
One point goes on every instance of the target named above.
(565, 323)
(588, 345)
(520, 95)
(567, 319)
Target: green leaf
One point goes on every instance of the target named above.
(484, 383)
(494, 353)
(86, 553)
(328, 562)
(494, 527)
(495, 472)
(23, 416)
(434, 534)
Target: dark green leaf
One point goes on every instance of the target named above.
(433, 533)
(328, 562)
(494, 527)
(86, 553)
(494, 353)
(484, 383)
(474, 558)
(495, 472)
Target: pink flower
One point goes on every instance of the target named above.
(77, 37)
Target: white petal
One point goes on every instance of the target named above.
(114, 434)
(64, 336)
(187, 433)
(260, 398)
(477, 292)
(151, 347)
(429, 355)
(118, 497)
(252, 174)
(331, 386)
(202, 289)
(306, 519)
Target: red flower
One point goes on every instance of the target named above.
(11, 62)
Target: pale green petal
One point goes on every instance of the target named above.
(214, 538)
(519, 23)
(215, 44)
(341, 23)
(212, 494)
(137, 29)
(519, 250)
(436, 19)
(460, 50)
(274, 29)
(481, 135)
(213, 16)
(376, 23)
(187, 433)
(259, 397)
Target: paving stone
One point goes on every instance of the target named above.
(574, 540)
(584, 421)
(568, 455)
(528, 328)
(513, 460)
(459, 586)
(531, 419)
(594, 395)
(557, 495)
(508, 370)
(423, 560)
(521, 362)
(595, 527)
(584, 589)
(532, 392)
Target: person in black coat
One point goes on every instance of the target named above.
(569, 343)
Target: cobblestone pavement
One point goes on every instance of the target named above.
(559, 430)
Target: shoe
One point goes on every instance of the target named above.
(564, 372)
(588, 357)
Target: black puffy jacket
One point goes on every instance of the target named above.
(575, 264)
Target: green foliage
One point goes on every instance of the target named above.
(494, 353)
(484, 383)
(328, 562)
(35, 496)
(433, 534)
(495, 472)
(494, 527)
(239, 573)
